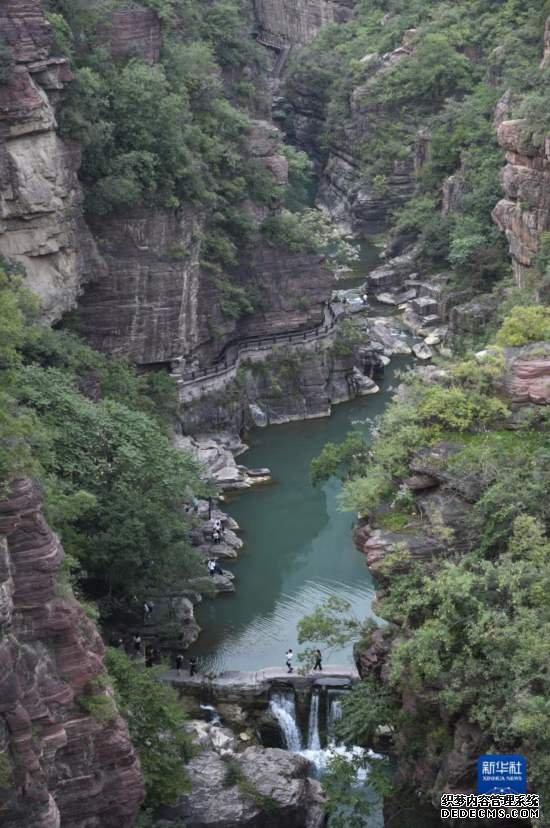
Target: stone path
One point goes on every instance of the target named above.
(229, 362)
(263, 677)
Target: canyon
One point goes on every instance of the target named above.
(139, 286)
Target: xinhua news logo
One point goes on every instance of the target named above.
(501, 793)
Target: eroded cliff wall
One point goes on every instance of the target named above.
(298, 21)
(41, 223)
(59, 764)
(524, 212)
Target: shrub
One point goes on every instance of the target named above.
(525, 325)
(6, 773)
(157, 727)
(349, 336)
(458, 409)
(7, 63)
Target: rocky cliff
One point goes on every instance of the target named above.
(352, 198)
(524, 212)
(40, 202)
(155, 302)
(65, 754)
(145, 294)
(298, 21)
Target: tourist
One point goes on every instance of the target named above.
(149, 656)
(216, 536)
(289, 657)
(179, 663)
(148, 607)
(365, 299)
(218, 525)
(318, 660)
(217, 569)
(137, 643)
(192, 666)
(212, 568)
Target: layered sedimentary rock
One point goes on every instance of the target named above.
(524, 213)
(298, 21)
(155, 303)
(145, 304)
(526, 380)
(59, 764)
(133, 31)
(41, 224)
(349, 195)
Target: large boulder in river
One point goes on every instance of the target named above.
(260, 788)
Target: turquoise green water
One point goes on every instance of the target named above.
(298, 545)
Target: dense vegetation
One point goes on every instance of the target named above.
(96, 435)
(466, 632)
(465, 55)
(174, 134)
(157, 727)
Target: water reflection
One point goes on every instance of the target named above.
(298, 545)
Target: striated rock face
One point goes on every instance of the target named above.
(527, 377)
(154, 302)
(65, 767)
(298, 21)
(280, 777)
(145, 305)
(349, 198)
(40, 198)
(134, 31)
(524, 213)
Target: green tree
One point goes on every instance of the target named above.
(157, 728)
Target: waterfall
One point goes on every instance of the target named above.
(313, 736)
(213, 715)
(283, 707)
(334, 712)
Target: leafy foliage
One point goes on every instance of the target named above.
(349, 336)
(462, 57)
(6, 63)
(114, 484)
(343, 460)
(525, 325)
(157, 727)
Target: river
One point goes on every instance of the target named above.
(298, 544)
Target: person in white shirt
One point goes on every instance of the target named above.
(289, 657)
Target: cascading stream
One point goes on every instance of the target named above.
(334, 713)
(283, 707)
(313, 735)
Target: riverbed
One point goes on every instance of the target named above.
(298, 544)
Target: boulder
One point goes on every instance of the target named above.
(261, 788)
(422, 351)
(259, 417)
(362, 384)
(393, 341)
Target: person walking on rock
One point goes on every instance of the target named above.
(289, 657)
(318, 660)
(179, 663)
(137, 643)
(192, 666)
(212, 568)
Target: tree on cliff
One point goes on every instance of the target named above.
(96, 436)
